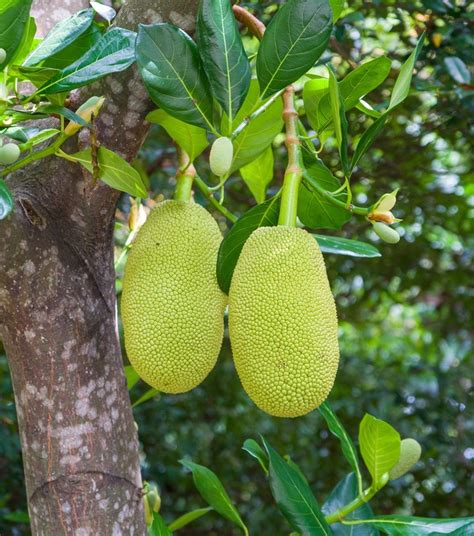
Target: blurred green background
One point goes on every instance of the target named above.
(406, 318)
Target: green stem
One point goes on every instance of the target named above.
(210, 197)
(362, 211)
(344, 511)
(294, 170)
(184, 177)
(259, 111)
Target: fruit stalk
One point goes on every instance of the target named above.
(184, 177)
(294, 170)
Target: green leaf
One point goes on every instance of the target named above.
(347, 446)
(131, 376)
(27, 42)
(223, 55)
(395, 525)
(294, 40)
(344, 492)
(169, 62)
(258, 135)
(191, 139)
(367, 139)
(51, 109)
(189, 517)
(458, 70)
(151, 393)
(313, 92)
(314, 210)
(339, 121)
(262, 215)
(14, 18)
(367, 109)
(213, 492)
(379, 445)
(259, 174)
(294, 497)
(158, 527)
(337, 7)
(345, 246)
(36, 75)
(61, 36)
(17, 517)
(249, 105)
(113, 53)
(41, 137)
(6, 200)
(255, 450)
(114, 171)
(403, 82)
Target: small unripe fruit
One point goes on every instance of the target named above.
(386, 233)
(9, 154)
(220, 159)
(410, 452)
(3, 92)
(3, 55)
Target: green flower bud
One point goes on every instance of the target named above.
(410, 452)
(91, 107)
(386, 233)
(152, 502)
(3, 55)
(220, 159)
(9, 154)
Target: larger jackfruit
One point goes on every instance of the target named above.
(172, 307)
(283, 322)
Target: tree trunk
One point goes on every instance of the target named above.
(58, 318)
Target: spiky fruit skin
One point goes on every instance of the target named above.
(283, 322)
(410, 452)
(172, 307)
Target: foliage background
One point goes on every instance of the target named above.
(406, 318)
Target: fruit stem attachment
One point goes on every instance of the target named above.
(184, 177)
(294, 170)
(207, 193)
(345, 510)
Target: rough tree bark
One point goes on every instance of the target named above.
(58, 316)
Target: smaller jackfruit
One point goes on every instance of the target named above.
(386, 233)
(283, 322)
(410, 452)
(220, 157)
(172, 306)
(9, 154)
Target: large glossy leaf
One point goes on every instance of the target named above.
(356, 85)
(344, 492)
(113, 53)
(114, 171)
(61, 36)
(314, 210)
(339, 121)
(258, 135)
(250, 102)
(173, 73)
(6, 200)
(313, 92)
(345, 246)
(262, 215)
(223, 55)
(379, 445)
(347, 446)
(213, 492)
(294, 40)
(294, 496)
(258, 174)
(189, 517)
(26, 44)
(158, 527)
(337, 7)
(191, 139)
(457, 69)
(14, 17)
(403, 82)
(395, 525)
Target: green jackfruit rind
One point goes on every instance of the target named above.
(172, 307)
(410, 452)
(283, 322)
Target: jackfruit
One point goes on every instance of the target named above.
(283, 322)
(410, 452)
(172, 307)
(220, 157)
